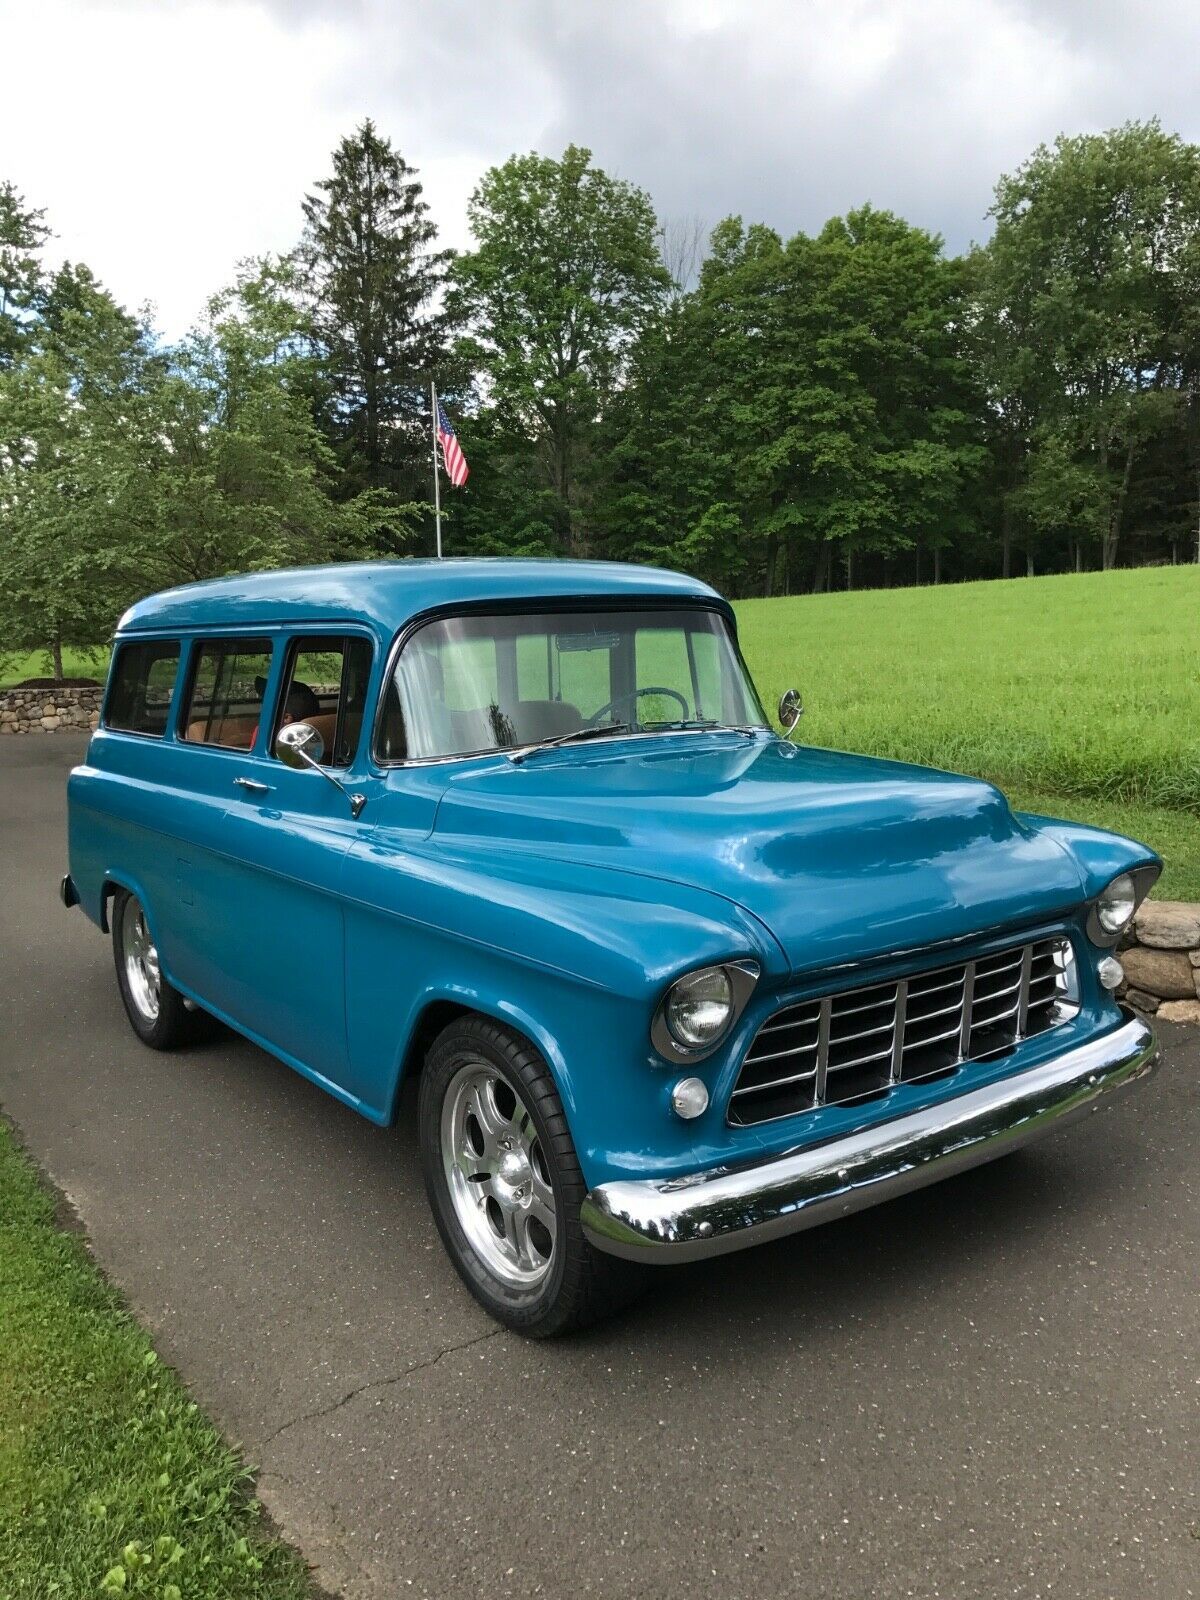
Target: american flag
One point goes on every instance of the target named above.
(456, 463)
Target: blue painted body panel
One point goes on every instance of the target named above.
(563, 894)
(384, 595)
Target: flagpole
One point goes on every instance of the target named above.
(437, 487)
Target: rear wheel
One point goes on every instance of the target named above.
(505, 1184)
(156, 1011)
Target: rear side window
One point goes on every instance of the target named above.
(229, 679)
(326, 685)
(139, 694)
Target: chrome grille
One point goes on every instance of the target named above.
(839, 1048)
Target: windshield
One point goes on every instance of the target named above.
(474, 683)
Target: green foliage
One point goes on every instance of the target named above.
(244, 477)
(125, 468)
(516, 512)
(111, 1481)
(844, 409)
(564, 275)
(1089, 289)
(809, 403)
(83, 662)
(22, 235)
(74, 411)
(370, 279)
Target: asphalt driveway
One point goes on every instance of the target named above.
(988, 1388)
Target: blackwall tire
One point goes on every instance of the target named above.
(156, 1011)
(505, 1185)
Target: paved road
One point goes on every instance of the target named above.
(990, 1388)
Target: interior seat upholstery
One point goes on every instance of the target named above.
(325, 722)
(544, 719)
(235, 733)
(479, 728)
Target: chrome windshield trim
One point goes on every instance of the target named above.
(507, 751)
(710, 1213)
(537, 604)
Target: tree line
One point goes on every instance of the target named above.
(847, 408)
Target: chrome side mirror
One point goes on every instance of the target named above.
(791, 709)
(299, 745)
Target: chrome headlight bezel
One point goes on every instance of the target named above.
(1104, 932)
(741, 976)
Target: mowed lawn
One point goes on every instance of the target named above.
(1078, 695)
(36, 664)
(111, 1480)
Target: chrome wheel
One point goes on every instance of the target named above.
(497, 1175)
(142, 977)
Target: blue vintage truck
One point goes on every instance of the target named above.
(672, 983)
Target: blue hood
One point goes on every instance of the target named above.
(842, 857)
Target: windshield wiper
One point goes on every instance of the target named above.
(576, 736)
(700, 724)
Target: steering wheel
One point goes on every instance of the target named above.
(632, 699)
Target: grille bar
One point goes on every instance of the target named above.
(841, 1048)
(898, 1031)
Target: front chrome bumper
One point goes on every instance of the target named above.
(709, 1213)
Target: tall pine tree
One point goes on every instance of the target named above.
(22, 235)
(371, 276)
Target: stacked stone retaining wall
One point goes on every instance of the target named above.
(1161, 957)
(65, 706)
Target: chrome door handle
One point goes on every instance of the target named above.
(253, 785)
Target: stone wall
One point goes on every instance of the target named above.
(48, 710)
(1161, 957)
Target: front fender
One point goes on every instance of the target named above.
(575, 957)
(1098, 855)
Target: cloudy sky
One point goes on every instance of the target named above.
(168, 138)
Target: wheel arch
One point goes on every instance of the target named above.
(436, 1012)
(113, 883)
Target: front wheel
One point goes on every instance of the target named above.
(505, 1184)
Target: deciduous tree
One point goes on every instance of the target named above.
(565, 273)
(1087, 261)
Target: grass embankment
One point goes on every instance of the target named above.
(1078, 695)
(111, 1480)
(36, 664)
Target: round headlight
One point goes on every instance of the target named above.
(1115, 905)
(699, 1008)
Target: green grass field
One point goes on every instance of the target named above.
(1078, 695)
(36, 664)
(111, 1480)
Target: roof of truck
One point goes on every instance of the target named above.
(387, 594)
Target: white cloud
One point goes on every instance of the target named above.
(168, 141)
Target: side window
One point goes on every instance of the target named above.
(139, 695)
(229, 679)
(326, 685)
